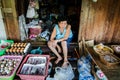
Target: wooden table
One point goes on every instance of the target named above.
(111, 72)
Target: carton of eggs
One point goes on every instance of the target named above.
(18, 49)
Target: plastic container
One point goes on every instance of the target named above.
(33, 77)
(101, 75)
(13, 73)
(2, 52)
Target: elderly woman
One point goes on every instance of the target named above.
(61, 34)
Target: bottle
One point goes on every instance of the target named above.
(100, 74)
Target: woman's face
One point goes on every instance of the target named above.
(62, 24)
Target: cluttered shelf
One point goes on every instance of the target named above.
(111, 72)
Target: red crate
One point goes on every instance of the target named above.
(33, 77)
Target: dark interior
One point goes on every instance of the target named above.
(70, 8)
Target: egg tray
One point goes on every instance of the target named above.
(13, 73)
(33, 77)
(16, 50)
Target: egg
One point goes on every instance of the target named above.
(4, 73)
(21, 45)
(15, 44)
(10, 51)
(14, 61)
(10, 63)
(10, 68)
(14, 66)
(4, 62)
(17, 50)
(7, 50)
(2, 69)
(2, 65)
(25, 44)
(7, 64)
(14, 50)
(18, 45)
(5, 68)
(0, 61)
(21, 51)
(8, 71)
(12, 45)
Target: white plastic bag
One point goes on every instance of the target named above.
(23, 28)
(65, 73)
(30, 12)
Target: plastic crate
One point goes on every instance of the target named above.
(13, 73)
(33, 77)
(2, 52)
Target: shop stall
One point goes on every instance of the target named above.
(94, 53)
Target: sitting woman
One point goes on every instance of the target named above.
(61, 34)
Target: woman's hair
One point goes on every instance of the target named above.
(62, 18)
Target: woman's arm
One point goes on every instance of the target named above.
(68, 28)
(53, 34)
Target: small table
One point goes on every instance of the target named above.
(111, 72)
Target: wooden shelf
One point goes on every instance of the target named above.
(111, 72)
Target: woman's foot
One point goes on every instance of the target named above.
(58, 60)
(65, 63)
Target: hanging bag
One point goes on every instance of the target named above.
(30, 12)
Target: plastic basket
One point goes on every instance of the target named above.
(33, 77)
(13, 73)
(2, 52)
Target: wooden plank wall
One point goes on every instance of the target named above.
(11, 19)
(100, 21)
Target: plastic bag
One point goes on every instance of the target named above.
(23, 28)
(35, 30)
(65, 73)
(45, 34)
(36, 51)
(4, 44)
(30, 12)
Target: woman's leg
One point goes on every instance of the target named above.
(59, 49)
(53, 49)
(65, 51)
